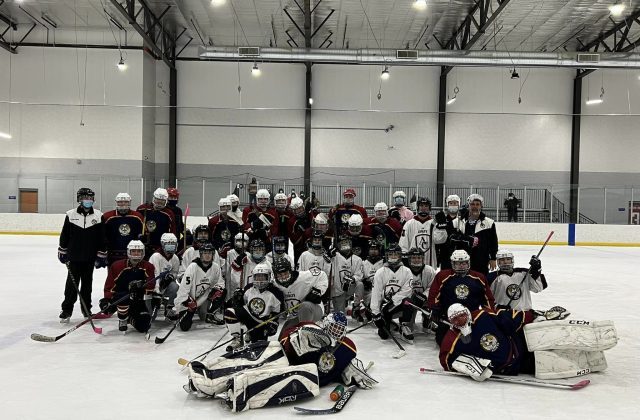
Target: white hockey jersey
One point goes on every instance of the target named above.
(196, 284)
(390, 286)
(370, 268)
(424, 236)
(161, 264)
(422, 281)
(262, 305)
(308, 259)
(300, 288)
(244, 276)
(505, 286)
(287, 256)
(345, 267)
(190, 254)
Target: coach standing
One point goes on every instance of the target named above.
(83, 246)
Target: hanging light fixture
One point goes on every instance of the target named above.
(216, 3)
(5, 136)
(617, 8)
(455, 95)
(420, 4)
(514, 74)
(385, 73)
(595, 101)
(255, 70)
(122, 66)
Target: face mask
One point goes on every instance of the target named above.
(173, 202)
(170, 248)
(453, 209)
(87, 204)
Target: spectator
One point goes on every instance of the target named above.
(252, 189)
(512, 204)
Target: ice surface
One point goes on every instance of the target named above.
(126, 377)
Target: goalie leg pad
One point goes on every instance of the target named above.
(211, 378)
(556, 364)
(476, 367)
(571, 335)
(271, 386)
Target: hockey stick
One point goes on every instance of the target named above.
(160, 340)
(48, 339)
(529, 270)
(97, 330)
(425, 312)
(188, 362)
(360, 326)
(401, 351)
(516, 380)
(183, 361)
(337, 407)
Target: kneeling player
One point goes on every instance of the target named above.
(261, 301)
(165, 261)
(511, 286)
(130, 277)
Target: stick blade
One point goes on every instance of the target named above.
(42, 338)
(581, 384)
(97, 330)
(399, 354)
(159, 340)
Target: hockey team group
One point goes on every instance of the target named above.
(284, 277)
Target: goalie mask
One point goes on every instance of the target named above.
(240, 242)
(135, 252)
(123, 203)
(381, 212)
(355, 224)
(460, 318)
(460, 262)
(282, 272)
(279, 245)
(206, 253)
(399, 199)
(453, 204)
(201, 235)
(281, 201)
(262, 199)
(335, 325)
(169, 243)
(261, 277)
(257, 250)
(423, 204)
(505, 261)
(160, 198)
(393, 256)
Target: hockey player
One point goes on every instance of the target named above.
(240, 245)
(360, 235)
(201, 236)
(362, 296)
(399, 211)
(347, 272)
(297, 227)
(315, 256)
(242, 268)
(201, 289)
(172, 204)
(130, 277)
(423, 276)
(477, 235)
(339, 215)
(270, 373)
(121, 226)
(260, 220)
(158, 219)
(511, 286)
(304, 288)
(283, 214)
(384, 229)
(420, 232)
(279, 250)
(165, 261)
(222, 227)
(235, 213)
(261, 301)
(448, 220)
(83, 247)
(458, 285)
(391, 286)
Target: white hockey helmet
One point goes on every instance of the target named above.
(381, 211)
(453, 197)
(297, 206)
(460, 262)
(355, 224)
(241, 241)
(224, 204)
(475, 197)
(321, 223)
(453, 204)
(169, 243)
(460, 318)
(160, 198)
(234, 199)
(504, 259)
(135, 251)
(261, 276)
(262, 198)
(399, 198)
(123, 202)
(280, 200)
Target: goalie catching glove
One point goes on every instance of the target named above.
(476, 367)
(355, 374)
(554, 314)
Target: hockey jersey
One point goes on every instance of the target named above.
(265, 304)
(422, 281)
(121, 273)
(471, 291)
(389, 285)
(162, 264)
(242, 276)
(196, 284)
(190, 254)
(222, 231)
(422, 233)
(510, 289)
(303, 282)
(369, 268)
(308, 259)
(119, 231)
(342, 268)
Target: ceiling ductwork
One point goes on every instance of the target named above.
(428, 58)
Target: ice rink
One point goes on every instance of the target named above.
(111, 376)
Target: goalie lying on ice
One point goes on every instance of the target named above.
(480, 343)
(268, 373)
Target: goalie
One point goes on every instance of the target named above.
(267, 373)
(481, 342)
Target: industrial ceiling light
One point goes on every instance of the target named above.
(420, 4)
(514, 74)
(122, 66)
(596, 101)
(617, 8)
(455, 96)
(216, 3)
(385, 73)
(255, 70)
(5, 135)
(310, 101)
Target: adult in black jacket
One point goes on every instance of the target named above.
(83, 245)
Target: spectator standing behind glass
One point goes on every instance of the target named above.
(252, 189)
(512, 204)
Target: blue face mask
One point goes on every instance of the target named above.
(87, 204)
(170, 248)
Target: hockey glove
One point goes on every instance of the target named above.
(368, 285)
(536, 266)
(354, 374)
(62, 255)
(476, 367)
(216, 299)
(348, 280)
(101, 259)
(104, 303)
(418, 299)
(136, 289)
(395, 214)
(326, 256)
(464, 213)
(314, 296)
(382, 326)
(441, 220)
(167, 280)
(554, 314)
(191, 305)
(225, 248)
(270, 328)
(309, 338)
(240, 260)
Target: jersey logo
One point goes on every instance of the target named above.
(422, 241)
(489, 342)
(94, 221)
(327, 362)
(345, 217)
(462, 291)
(314, 269)
(514, 291)
(151, 225)
(390, 290)
(124, 229)
(357, 250)
(225, 235)
(417, 285)
(256, 306)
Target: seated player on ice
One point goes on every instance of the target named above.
(269, 373)
(511, 286)
(480, 343)
(361, 308)
(423, 276)
(164, 261)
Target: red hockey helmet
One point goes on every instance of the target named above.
(173, 192)
(349, 191)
